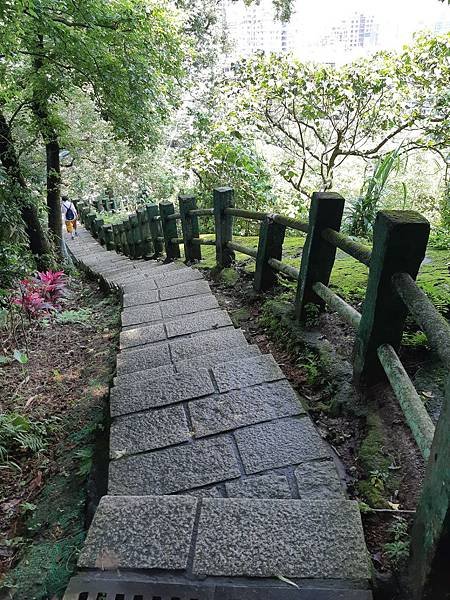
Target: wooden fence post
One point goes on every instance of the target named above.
(146, 238)
(318, 255)
(223, 198)
(399, 244)
(129, 236)
(109, 240)
(97, 224)
(169, 230)
(190, 229)
(124, 238)
(430, 536)
(136, 236)
(155, 228)
(116, 238)
(270, 245)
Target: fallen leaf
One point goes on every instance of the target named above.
(288, 581)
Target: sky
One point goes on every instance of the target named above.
(396, 21)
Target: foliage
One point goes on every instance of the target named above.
(15, 260)
(18, 433)
(440, 238)
(81, 315)
(363, 211)
(319, 116)
(219, 159)
(398, 549)
(40, 294)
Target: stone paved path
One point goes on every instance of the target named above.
(216, 471)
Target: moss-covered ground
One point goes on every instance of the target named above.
(349, 277)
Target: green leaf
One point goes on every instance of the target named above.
(21, 357)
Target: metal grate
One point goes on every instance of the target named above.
(81, 588)
(107, 589)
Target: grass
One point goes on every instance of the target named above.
(348, 277)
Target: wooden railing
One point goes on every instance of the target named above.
(399, 244)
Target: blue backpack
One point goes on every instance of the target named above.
(70, 215)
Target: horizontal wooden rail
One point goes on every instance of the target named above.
(200, 242)
(415, 412)
(176, 240)
(347, 312)
(289, 222)
(201, 212)
(355, 249)
(242, 249)
(432, 323)
(173, 217)
(282, 267)
(245, 214)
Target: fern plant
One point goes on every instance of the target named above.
(18, 432)
(364, 208)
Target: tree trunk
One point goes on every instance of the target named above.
(54, 189)
(49, 135)
(38, 242)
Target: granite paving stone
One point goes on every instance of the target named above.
(138, 286)
(141, 314)
(243, 407)
(142, 335)
(118, 536)
(145, 357)
(146, 375)
(293, 538)
(201, 321)
(242, 373)
(207, 342)
(184, 290)
(139, 396)
(318, 480)
(212, 492)
(216, 358)
(174, 469)
(265, 486)
(169, 279)
(184, 306)
(146, 431)
(147, 297)
(279, 443)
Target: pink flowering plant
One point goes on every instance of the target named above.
(41, 294)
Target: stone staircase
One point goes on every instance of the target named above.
(220, 487)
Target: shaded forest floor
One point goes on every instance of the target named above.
(60, 393)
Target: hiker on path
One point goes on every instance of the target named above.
(70, 216)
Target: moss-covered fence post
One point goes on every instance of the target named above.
(399, 243)
(116, 237)
(430, 537)
(223, 198)
(124, 238)
(270, 245)
(190, 228)
(170, 231)
(146, 238)
(129, 236)
(137, 235)
(96, 228)
(318, 255)
(155, 228)
(108, 236)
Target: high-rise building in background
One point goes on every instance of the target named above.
(326, 31)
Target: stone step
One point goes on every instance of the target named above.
(229, 537)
